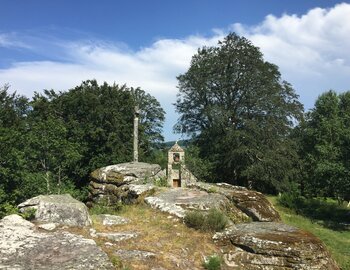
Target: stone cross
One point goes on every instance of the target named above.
(136, 133)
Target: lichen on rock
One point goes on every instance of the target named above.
(60, 209)
(272, 246)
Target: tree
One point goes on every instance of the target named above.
(13, 111)
(241, 113)
(99, 119)
(325, 142)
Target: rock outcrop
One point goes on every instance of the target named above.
(123, 182)
(23, 246)
(252, 203)
(239, 203)
(178, 201)
(272, 246)
(59, 209)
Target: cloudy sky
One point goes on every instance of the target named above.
(58, 44)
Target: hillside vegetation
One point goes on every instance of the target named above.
(336, 238)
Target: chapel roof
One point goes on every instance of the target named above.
(176, 148)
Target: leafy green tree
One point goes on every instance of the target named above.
(241, 114)
(50, 153)
(13, 111)
(326, 146)
(99, 120)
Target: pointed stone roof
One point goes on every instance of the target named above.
(176, 148)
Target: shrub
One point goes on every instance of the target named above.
(29, 214)
(161, 182)
(215, 220)
(213, 263)
(195, 219)
(7, 208)
(104, 207)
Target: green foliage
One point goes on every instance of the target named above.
(195, 219)
(240, 113)
(200, 167)
(7, 209)
(213, 263)
(336, 241)
(105, 207)
(214, 220)
(325, 212)
(51, 144)
(325, 142)
(29, 214)
(162, 182)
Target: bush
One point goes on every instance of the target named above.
(215, 220)
(213, 263)
(291, 200)
(161, 182)
(7, 209)
(29, 214)
(104, 207)
(195, 219)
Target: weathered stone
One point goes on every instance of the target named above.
(48, 226)
(177, 201)
(23, 247)
(116, 237)
(272, 246)
(252, 203)
(134, 254)
(165, 206)
(123, 182)
(60, 209)
(140, 190)
(102, 188)
(109, 220)
(125, 172)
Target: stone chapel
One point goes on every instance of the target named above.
(177, 173)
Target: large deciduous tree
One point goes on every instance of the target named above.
(326, 146)
(99, 119)
(13, 111)
(241, 113)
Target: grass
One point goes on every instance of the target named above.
(172, 241)
(337, 241)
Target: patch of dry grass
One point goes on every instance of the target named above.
(176, 246)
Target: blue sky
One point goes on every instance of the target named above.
(57, 44)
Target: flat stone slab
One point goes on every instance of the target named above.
(125, 172)
(115, 236)
(48, 226)
(177, 201)
(134, 254)
(110, 220)
(254, 204)
(23, 247)
(274, 246)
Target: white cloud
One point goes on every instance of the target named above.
(9, 40)
(311, 51)
(153, 68)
